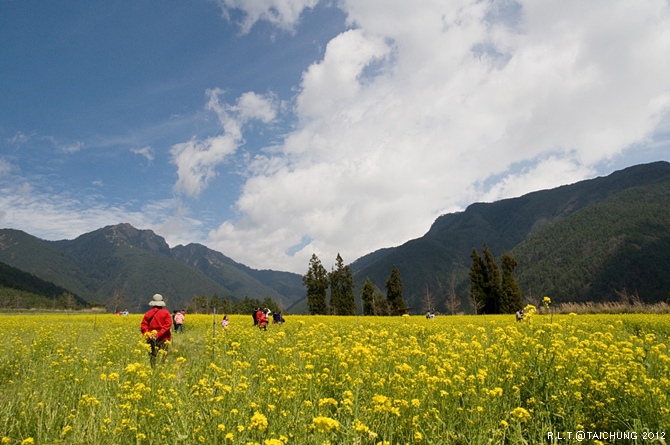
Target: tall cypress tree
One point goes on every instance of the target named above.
(492, 284)
(394, 295)
(342, 300)
(477, 279)
(316, 281)
(368, 297)
(511, 294)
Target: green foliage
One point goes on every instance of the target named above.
(492, 283)
(367, 297)
(222, 305)
(374, 302)
(342, 300)
(246, 306)
(269, 303)
(619, 246)
(22, 290)
(477, 282)
(490, 292)
(200, 304)
(394, 292)
(316, 282)
(511, 293)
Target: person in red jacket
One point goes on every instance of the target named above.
(262, 317)
(156, 326)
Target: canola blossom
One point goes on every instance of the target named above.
(86, 379)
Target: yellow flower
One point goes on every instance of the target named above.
(529, 310)
(496, 392)
(325, 424)
(258, 421)
(360, 427)
(28, 441)
(150, 334)
(328, 401)
(521, 414)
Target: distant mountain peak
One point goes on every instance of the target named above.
(126, 234)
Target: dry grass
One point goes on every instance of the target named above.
(609, 308)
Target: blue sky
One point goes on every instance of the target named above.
(273, 129)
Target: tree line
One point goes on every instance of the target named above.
(339, 285)
(493, 289)
(201, 304)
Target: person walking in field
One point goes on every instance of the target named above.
(179, 321)
(519, 315)
(155, 327)
(262, 317)
(255, 315)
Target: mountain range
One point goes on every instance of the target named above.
(122, 267)
(596, 240)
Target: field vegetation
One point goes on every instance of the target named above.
(86, 379)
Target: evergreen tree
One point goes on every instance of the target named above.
(511, 294)
(394, 297)
(226, 306)
(316, 282)
(489, 291)
(269, 303)
(342, 300)
(368, 297)
(492, 284)
(198, 305)
(477, 279)
(379, 304)
(214, 302)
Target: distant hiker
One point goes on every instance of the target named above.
(224, 322)
(277, 318)
(155, 328)
(519, 315)
(179, 321)
(254, 314)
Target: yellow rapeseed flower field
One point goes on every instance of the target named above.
(86, 379)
